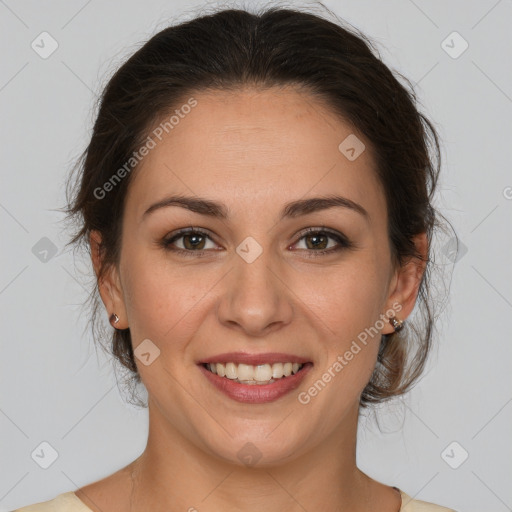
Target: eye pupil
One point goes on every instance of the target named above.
(194, 237)
(317, 237)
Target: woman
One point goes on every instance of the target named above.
(256, 196)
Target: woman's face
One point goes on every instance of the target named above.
(254, 281)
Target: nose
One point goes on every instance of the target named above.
(256, 298)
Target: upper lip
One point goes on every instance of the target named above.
(255, 359)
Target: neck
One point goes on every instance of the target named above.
(174, 474)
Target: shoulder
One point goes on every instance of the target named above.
(66, 502)
(411, 505)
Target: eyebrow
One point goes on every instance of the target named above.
(291, 210)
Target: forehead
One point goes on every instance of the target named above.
(276, 145)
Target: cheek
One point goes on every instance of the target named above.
(347, 299)
(158, 297)
(349, 305)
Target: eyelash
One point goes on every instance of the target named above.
(344, 242)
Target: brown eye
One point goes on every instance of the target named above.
(193, 241)
(187, 241)
(317, 241)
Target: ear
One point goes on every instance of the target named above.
(406, 283)
(109, 284)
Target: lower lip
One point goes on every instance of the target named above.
(256, 393)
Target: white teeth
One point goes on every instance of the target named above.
(231, 371)
(221, 369)
(245, 372)
(249, 374)
(262, 373)
(277, 370)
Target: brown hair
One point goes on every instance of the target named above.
(226, 50)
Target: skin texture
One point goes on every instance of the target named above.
(253, 150)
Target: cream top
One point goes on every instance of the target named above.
(70, 502)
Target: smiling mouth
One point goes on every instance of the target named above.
(254, 375)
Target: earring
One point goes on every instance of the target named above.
(397, 324)
(114, 319)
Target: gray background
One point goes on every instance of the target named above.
(57, 389)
